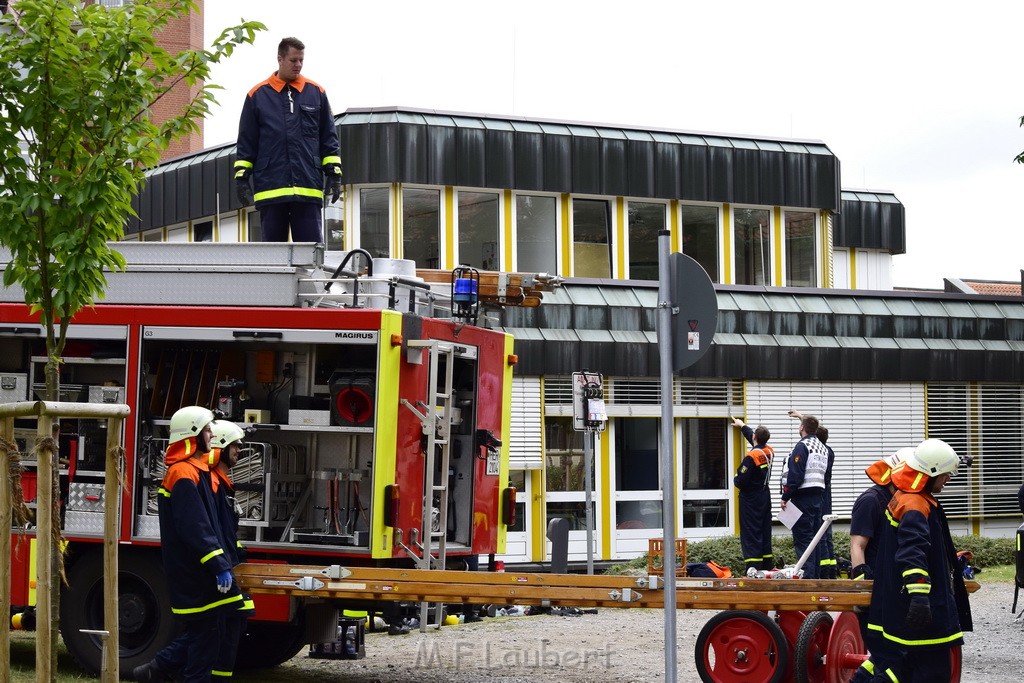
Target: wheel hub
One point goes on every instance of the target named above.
(131, 612)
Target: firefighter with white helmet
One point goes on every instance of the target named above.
(224, 454)
(867, 522)
(868, 513)
(919, 608)
(196, 563)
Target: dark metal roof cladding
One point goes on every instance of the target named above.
(396, 144)
(786, 333)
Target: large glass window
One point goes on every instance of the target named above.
(563, 455)
(374, 220)
(202, 232)
(255, 226)
(704, 455)
(537, 234)
(421, 226)
(752, 237)
(705, 463)
(334, 225)
(700, 237)
(636, 454)
(637, 469)
(801, 251)
(645, 221)
(478, 230)
(592, 244)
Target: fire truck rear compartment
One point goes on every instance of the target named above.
(306, 474)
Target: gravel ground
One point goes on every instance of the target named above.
(613, 645)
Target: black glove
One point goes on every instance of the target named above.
(243, 190)
(919, 616)
(862, 572)
(332, 182)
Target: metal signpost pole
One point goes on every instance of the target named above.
(668, 505)
(588, 459)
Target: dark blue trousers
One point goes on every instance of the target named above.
(809, 502)
(756, 528)
(304, 218)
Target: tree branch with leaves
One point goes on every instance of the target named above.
(1020, 157)
(77, 87)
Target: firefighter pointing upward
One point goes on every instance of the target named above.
(755, 499)
(803, 482)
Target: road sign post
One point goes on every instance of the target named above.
(687, 318)
(588, 416)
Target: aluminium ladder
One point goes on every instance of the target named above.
(436, 419)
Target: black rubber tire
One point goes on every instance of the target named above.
(270, 643)
(144, 608)
(808, 654)
(742, 629)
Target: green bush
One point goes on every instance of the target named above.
(988, 552)
(725, 550)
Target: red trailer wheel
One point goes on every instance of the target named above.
(845, 650)
(739, 646)
(812, 642)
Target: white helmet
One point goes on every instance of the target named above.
(934, 457)
(225, 432)
(188, 422)
(899, 456)
(880, 471)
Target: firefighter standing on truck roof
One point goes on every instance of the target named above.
(919, 606)
(197, 567)
(803, 482)
(755, 498)
(288, 144)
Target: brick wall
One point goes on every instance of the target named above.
(183, 34)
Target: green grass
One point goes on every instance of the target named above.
(1003, 573)
(23, 660)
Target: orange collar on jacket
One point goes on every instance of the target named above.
(277, 84)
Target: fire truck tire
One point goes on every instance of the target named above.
(738, 646)
(811, 648)
(144, 609)
(270, 643)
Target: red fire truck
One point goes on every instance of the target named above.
(376, 405)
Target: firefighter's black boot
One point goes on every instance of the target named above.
(149, 673)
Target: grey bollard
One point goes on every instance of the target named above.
(558, 534)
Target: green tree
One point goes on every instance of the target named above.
(77, 86)
(1020, 157)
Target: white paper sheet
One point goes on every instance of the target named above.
(790, 514)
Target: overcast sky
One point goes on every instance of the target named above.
(919, 98)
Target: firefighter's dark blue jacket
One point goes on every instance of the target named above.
(916, 557)
(224, 493)
(868, 519)
(752, 474)
(191, 538)
(287, 139)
